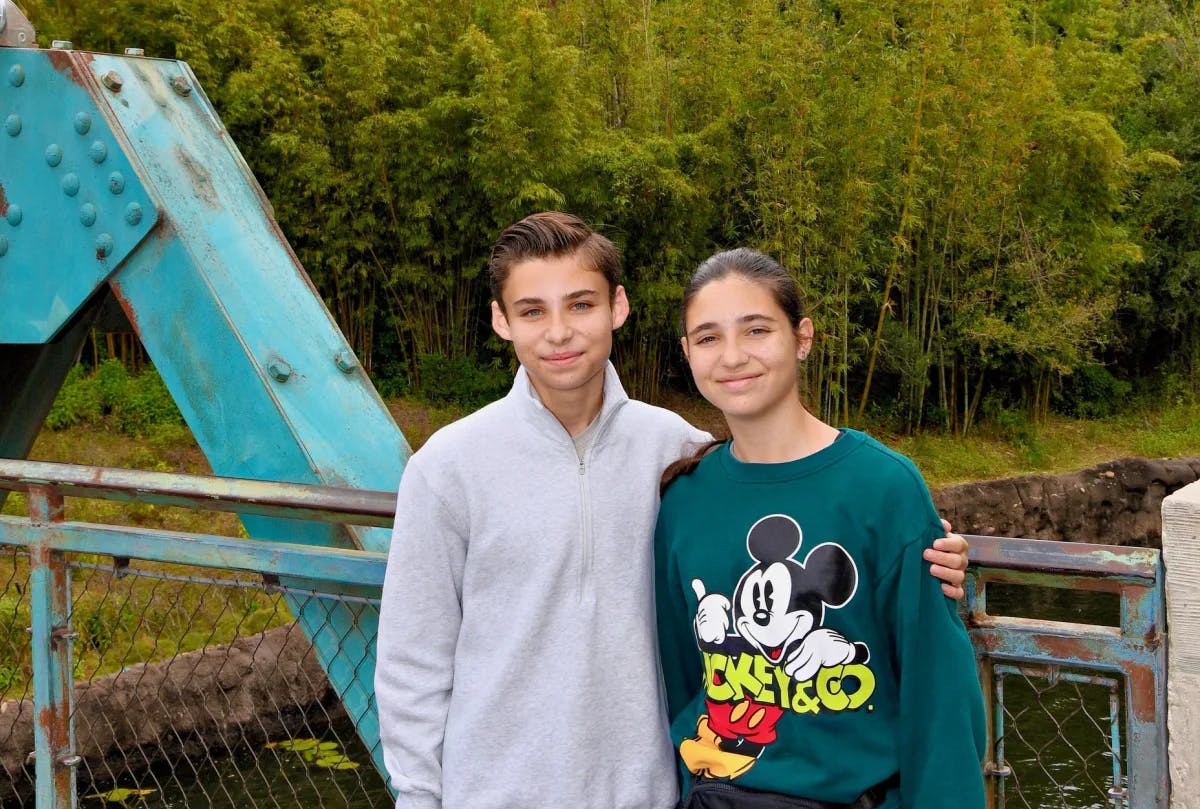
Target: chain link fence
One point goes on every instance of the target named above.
(1059, 739)
(199, 690)
(16, 673)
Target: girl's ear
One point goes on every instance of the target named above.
(804, 338)
(684, 344)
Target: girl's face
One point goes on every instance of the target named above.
(742, 349)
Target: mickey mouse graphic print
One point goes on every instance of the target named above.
(774, 625)
(806, 651)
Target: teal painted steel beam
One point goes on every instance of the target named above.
(186, 241)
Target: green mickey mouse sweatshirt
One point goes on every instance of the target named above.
(806, 650)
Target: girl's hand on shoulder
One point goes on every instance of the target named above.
(948, 560)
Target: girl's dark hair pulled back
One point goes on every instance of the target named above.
(758, 268)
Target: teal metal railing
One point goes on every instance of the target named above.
(1121, 760)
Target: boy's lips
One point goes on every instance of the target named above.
(562, 357)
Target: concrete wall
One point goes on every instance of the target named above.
(1181, 556)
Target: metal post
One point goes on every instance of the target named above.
(53, 683)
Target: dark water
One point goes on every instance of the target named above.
(258, 778)
(1057, 734)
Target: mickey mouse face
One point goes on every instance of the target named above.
(779, 600)
(763, 613)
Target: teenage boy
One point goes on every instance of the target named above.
(516, 661)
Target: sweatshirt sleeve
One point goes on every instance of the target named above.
(419, 618)
(942, 726)
(676, 643)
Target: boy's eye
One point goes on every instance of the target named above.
(531, 313)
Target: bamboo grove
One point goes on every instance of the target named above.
(984, 200)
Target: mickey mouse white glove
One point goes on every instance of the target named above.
(821, 647)
(712, 615)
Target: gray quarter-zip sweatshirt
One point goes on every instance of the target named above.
(517, 663)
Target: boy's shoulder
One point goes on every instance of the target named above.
(658, 421)
(467, 436)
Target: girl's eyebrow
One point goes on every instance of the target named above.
(741, 321)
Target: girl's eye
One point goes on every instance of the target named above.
(581, 306)
(707, 338)
(757, 330)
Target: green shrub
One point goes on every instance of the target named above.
(461, 380)
(78, 401)
(1092, 392)
(136, 404)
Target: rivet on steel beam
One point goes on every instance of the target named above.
(113, 81)
(279, 370)
(61, 45)
(83, 123)
(135, 52)
(133, 214)
(15, 215)
(53, 155)
(98, 152)
(87, 214)
(3, 246)
(16, 75)
(70, 184)
(104, 245)
(181, 86)
(345, 361)
(12, 124)
(116, 182)
(69, 761)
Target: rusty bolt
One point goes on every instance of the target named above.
(181, 86)
(279, 370)
(135, 52)
(61, 45)
(104, 246)
(113, 81)
(69, 761)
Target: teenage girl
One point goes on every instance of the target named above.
(809, 658)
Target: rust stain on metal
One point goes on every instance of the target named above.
(1141, 687)
(200, 179)
(3, 202)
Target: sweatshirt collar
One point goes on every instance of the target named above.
(846, 443)
(529, 404)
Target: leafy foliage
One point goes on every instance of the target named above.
(979, 197)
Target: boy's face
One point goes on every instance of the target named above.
(559, 316)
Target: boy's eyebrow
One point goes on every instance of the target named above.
(743, 320)
(579, 293)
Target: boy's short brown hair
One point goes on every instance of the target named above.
(552, 234)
